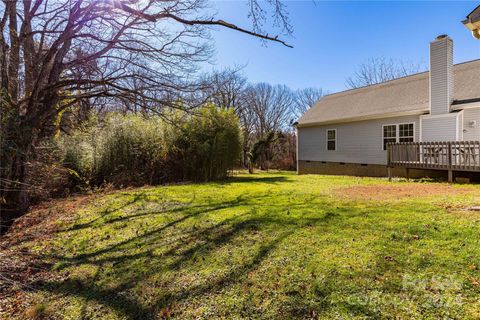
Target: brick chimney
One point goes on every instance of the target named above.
(441, 75)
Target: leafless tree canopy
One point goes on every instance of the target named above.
(225, 88)
(271, 107)
(265, 111)
(377, 70)
(305, 99)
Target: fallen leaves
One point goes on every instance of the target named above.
(20, 264)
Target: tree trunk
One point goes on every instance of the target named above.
(15, 154)
(15, 198)
(250, 167)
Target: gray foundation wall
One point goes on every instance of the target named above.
(363, 170)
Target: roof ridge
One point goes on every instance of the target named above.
(392, 80)
(400, 96)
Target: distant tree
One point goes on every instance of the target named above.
(270, 105)
(267, 113)
(225, 88)
(261, 152)
(248, 122)
(305, 99)
(377, 70)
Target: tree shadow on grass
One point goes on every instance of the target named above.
(173, 249)
(137, 197)
(146, 239)
(254, 178)
(209, 241)
(181, 206)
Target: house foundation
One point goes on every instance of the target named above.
(366, 170)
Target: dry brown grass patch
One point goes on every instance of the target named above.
(397, 191)
(20, 267)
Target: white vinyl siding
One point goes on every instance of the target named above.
(460, 125)
(471, 124)
(441, 76)
(440, 128)
(356, 142)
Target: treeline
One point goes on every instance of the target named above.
(136, 150)
(202, 136)
(266, 113)
(133, 150)
(67, 59)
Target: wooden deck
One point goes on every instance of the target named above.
(445, 155)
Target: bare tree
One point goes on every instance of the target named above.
(225, 88)
(377, 70)
(55, 54)
(266, 111)
(305, 99)
(271, 106)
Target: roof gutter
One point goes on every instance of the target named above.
(363, 118)
(466, 105)
(456, 106)
(472, 22)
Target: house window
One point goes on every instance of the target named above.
(389, 135)
(403, 132)
(332, 139)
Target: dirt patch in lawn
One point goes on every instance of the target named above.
(400, 191)
(20, 267)
(42, 220)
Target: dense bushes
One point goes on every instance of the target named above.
(134, 150)
(47, 176)
(209, 145)
(274, 150)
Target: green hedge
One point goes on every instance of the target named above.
(135, 150)
(209, 144)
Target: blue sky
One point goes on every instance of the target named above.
(332, 38)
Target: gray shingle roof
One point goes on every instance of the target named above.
(400, 96)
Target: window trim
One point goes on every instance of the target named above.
(383, 134)
(397, 132)
(327, 140)
(398, 128)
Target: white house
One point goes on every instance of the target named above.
(349, 132)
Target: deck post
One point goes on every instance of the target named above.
(450, 172)
(408, 174)
(450, 176)
(389, 160)
(449, 153)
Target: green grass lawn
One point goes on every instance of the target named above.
(265, 246)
